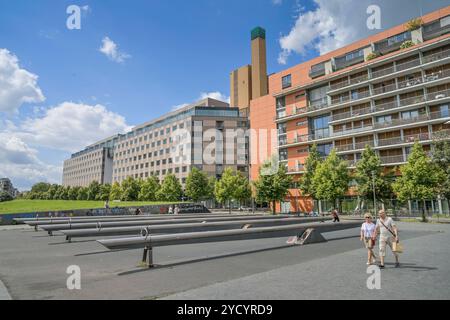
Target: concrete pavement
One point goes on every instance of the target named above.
(33, 266)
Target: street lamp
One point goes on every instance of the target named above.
(374, 196)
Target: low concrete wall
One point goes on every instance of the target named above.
(7, 219)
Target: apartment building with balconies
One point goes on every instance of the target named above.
(387, 91)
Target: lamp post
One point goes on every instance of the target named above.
(374, 195)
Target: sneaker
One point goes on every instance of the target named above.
(368, 263)
(381, 266)
(397, 265)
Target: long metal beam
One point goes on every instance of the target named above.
(185, 227)
(222, 235)
(130, 218)
(101, 225)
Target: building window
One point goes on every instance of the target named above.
(320, 127)
(354, 55)
(399, 38)
(286, 81)
(283, 155)
(324, 149)
(281, 103)
(384, 119)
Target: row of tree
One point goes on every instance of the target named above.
(232, 186)
(421, 178)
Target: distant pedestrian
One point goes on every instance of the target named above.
(107, 204)
(388, 232)
(138, 212)
(335, 216)
(170, 210)
(368, 237)
(176, 210)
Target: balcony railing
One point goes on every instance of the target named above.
(384, 89)
(438, 95)
(296, 169)
(362, 145)
(350, 97)
(344, 147)
(350, 131)
(419, 118)
(436, 56)
(406, 139)
(359, 79)
(349, 114)
(392, 159)
(383, 72)
(408, 64)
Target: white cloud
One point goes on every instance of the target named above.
(214, 95)
(335, 23)
(277, 2)
(21, 164)
(326, 28)
(71, 126)
(111, 50)
(17, 86)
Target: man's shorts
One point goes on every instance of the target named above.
(383, 242)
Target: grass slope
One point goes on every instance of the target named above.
(25, 206)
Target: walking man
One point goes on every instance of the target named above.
(388, 232)
(335, 215)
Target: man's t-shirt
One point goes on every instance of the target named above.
(388, 222)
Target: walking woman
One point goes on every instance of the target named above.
(368, 230)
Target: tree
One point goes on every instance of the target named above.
(306, 185)
(149, 189)
(170, 190)
(116, 191)
(65, 193)
(105, 190)
(93, 191)
(441, 159)
(82, 194)
(73, 193)
(272, 188)
(40, 187)
(243, 191)
(4, 196)
(50, 193)
(197, 185)
(225, 187)
(59, 194)
(367, 166)
(130, 189)
(331, 178)
(419, 179)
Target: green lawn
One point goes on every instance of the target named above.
(25, 206)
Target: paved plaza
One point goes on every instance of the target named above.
(33, 266)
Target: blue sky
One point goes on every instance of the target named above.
(174, 51)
